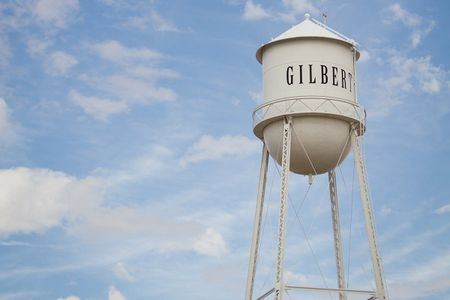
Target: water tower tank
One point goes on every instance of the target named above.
(309, 74)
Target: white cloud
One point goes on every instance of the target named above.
(425, 278)
(37, 46)
(115, 294)
(118, 3)
(33, 200)
(99, 108)
(136, 83)
(144, 72)
(254, 11)
(134, 90)
(420, 27)
(8, 130)
(443, 209)
(121, 271)
(139, 22)
(144, 17)
(411, 72)
(127, 89)
(256, 96)
(5, 52)
(70, 298)
(289, 13)
(418, 35)
(211, 243)
(403, 16)
(55, 12)
(4, 119)
(407, 76)
(162, 24)
(49, 14)
(365, 56)
(59, 63)
(385, 210)
(154, 162)
(153, 232)
(301, 6)
(114, 51)
(210, 148)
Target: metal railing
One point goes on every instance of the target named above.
(309, 105)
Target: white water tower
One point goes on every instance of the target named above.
(309, 120)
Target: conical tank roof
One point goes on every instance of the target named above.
(307, 29)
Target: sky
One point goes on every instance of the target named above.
(128, 166)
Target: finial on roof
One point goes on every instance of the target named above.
(307, 16)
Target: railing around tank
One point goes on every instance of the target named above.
(309, 105)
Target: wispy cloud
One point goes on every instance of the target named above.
(154, 161)
(134, 82)
(5, 125)
(10, 130)
(134, 90)
(121, 271)
(55, 12)
(290, 11)
(211, 148)
(365, 56)
(59, 63)
(52, 15)
(21, 295)
(144, 16)
(254, 11)
(256, 96)
(5, 51)
(419, 26)
(99, 108)
(116, 52)
(162, 24)
(407, 75)
(155, 232)
(70, 298)
(211, 243)
(115, 294)
(294, 8)
(301, 6)
(37, 46)
(34, 200)
(398, 13)
(443, 210)
(423, 279)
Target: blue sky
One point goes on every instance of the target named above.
(128, 166)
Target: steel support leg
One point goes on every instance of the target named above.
(369, 219)
(257, 224)
(285, 165)
(337, 233)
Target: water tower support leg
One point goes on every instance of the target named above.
(285, 165)
(369, 219)
(337, 233)
(257, 224)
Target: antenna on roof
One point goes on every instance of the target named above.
(324, 18)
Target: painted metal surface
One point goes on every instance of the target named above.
(308, 28)
(335, 216)
(310, 113)
(286, 157)
(257, 225)
(309, 73)
(369, 220)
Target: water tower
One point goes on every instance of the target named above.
(309, 120)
